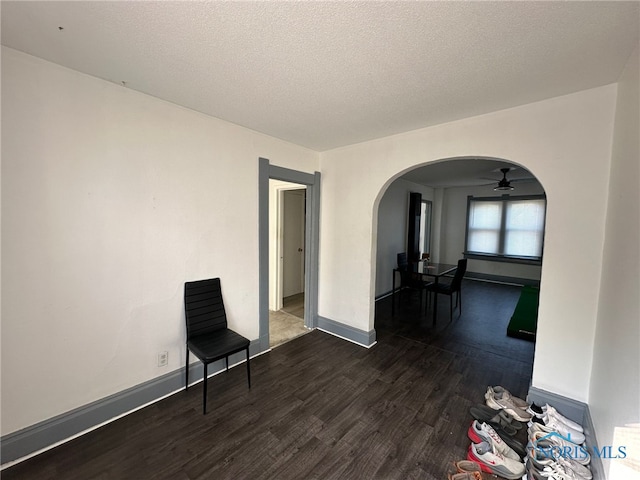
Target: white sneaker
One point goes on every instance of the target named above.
(558, 472)
(580, 470)
(550, 443)
(569, 433)
(545, 429)
(538, 459)
(552, 412)
(507, 404)
(500, 392)
(549, 411)
(481, 432)
(494, 462)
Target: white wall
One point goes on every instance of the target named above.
(392, 229)
(615, 378)
(552, 139)
(111, 200)
(452, 233)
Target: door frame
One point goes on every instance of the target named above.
(267, 171)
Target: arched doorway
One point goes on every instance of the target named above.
(495, 279)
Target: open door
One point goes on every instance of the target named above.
(293, 213)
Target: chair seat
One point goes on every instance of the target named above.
(216, 345)
(444, 288)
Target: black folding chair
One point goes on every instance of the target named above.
(450, 288)
(409, 279)
(208, 336)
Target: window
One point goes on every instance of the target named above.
(425, 226)
(506, 228)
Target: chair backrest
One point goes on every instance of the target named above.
(203, 306)
(408, 277)
(456, 283)
(403, 263)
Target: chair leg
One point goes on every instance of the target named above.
(226, 359)
(248, 369)
(451, 308)
(459, 297)
(204, 392)
(186, 374)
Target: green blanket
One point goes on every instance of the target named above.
(525, 316)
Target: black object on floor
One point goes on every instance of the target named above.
(524, 320)
(208, 336)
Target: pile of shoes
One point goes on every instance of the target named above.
(493, 432)
(554, 450)
(556, 447)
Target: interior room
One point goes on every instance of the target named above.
(147, 144)
(446, 190)
(286, 261)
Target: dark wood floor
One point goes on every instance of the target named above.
(320, 407)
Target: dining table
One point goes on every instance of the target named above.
(425, 268)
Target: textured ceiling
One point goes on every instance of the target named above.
(328, 74)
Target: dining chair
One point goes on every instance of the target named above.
(410, 280)
(455, 286)
(208, 336)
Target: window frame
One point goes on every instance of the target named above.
(501, 257)
(425, 244)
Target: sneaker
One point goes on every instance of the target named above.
(467, 466)
(534, 473)
(465, 476)
(507, 404)
(553, 413)
(494, 462)
(536, 425)
(558, 472)
(551, 444)
(500, 392)
(549, 474)
(548, 411)
(550, 424)
(580, 470)
(538, 459)
(481, 432)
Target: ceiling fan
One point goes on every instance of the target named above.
(504, 184)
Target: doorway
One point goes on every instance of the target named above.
(287, 257)
(266, 231)
(453, 227)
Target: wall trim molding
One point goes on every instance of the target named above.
(482, 277)
(578, 412)
(42, 436)
(346, 332)
(488, 277)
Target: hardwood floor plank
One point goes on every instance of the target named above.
(299, 463)
(319, 407)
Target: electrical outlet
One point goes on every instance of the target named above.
(163, 359)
